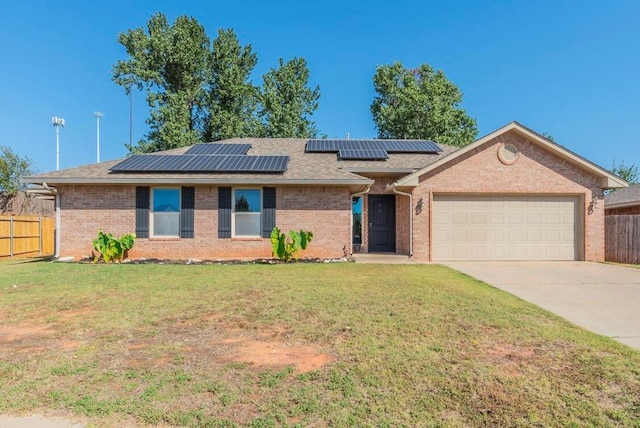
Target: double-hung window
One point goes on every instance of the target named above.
(247, 210)
(165, 212)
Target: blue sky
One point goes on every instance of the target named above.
(567, 68)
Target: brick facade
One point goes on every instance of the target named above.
(325, 211)
(402, 215)
(536, 171)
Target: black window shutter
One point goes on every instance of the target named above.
(186, 212)
(268, 210)
(224, 212)
(142, 212)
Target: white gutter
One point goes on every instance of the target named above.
(393, 187)
(353, 195)
(203, 181)
(54, 190)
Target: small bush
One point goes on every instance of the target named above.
(112, 249)
(286, 247)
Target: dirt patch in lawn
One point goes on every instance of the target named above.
(208, 341)
(275, 354)
(23, 332)
(203, 341)
(27, 333)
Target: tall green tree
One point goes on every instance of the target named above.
(288, 102)
(629, 173)
(170, 62)
(420, 103)
(12, 168)
(232, 99)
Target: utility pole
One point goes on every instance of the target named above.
(98, 115)
(57, 123)
(130, 117)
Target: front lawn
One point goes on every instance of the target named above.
(298, 345)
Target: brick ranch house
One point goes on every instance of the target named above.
(623, 202)
(511, 195)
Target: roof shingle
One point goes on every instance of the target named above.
(627, 196)
(302, 168)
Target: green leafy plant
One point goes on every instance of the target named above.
(110, 248)
(286, 247)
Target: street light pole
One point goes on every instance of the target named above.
(57, 123)
(98, 115)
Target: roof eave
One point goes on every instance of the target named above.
(379, 170)
(621, 205)
(608, 180)
(196, 180)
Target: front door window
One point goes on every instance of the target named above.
(356, 212)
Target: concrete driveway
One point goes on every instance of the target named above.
(600, 297)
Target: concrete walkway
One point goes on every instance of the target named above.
(603, 298)
(36, 421)
(383, 258)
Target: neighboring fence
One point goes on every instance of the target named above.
(622, 238)
(26, 236)
(25, 204)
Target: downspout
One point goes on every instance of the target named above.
(393, 187)
(353, 195)
(57, 245)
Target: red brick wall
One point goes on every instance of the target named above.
(536, 171)
(325, 211)
(402, 215)
(623, 211)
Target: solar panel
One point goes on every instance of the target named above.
(218, 149)
(202, 163)
(321, 146)
(390, 146)
(411, 146)
(361, 154)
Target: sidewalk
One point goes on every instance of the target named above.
(38, 421)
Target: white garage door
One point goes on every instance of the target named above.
(489, 227)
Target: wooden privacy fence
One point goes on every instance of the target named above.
(26, 236)
(622, 238)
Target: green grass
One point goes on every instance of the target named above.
(412, 346)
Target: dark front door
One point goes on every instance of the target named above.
(381, 215)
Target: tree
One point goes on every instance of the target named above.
(232, 99)
(171, 62)
(287, 101)
(628, 173)
(420, 103)
(549, 137)
(12, 169)
(200, 90)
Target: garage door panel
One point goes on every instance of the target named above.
(490, 227)
(534, 218)
(534, 235)
(496, 218)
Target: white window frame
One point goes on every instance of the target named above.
(152, 212)
(233, 213)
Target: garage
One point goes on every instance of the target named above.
(507, 227)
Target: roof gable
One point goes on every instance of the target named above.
(608, 180)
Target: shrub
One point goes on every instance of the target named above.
(112, 249)
(286, 247)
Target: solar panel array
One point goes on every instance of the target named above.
(370, 154)
(370, 149)
(218, 149)
(202, 163)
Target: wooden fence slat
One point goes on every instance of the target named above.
(636, 240)
(26, 236)
(622, 238)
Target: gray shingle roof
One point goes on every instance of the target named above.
(303, 167)
(623, 197)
